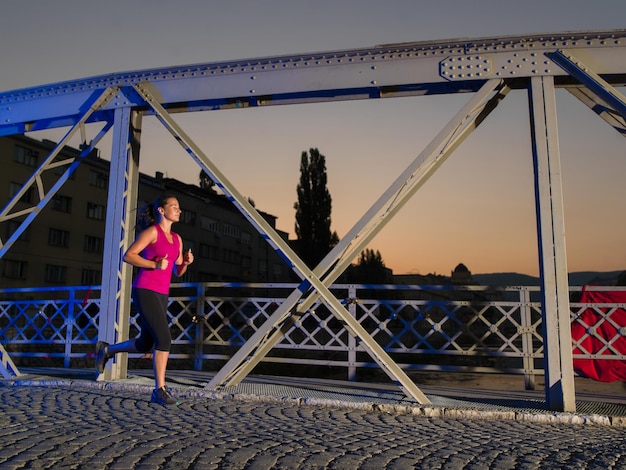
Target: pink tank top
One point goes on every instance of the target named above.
(158, 280)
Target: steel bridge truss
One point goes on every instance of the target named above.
(590, 65)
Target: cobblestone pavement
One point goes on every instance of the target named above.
(64, 427)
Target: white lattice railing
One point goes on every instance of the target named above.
(471, 328)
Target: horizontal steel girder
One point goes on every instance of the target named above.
(390, 70)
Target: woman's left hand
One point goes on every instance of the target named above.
(188, 257)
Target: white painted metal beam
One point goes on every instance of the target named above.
(599, 95)
(419, 68)
(7, 366)
(115, 298)
(557, 335)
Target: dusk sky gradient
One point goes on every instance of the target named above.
(478, 209)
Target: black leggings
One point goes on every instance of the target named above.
(155, 329)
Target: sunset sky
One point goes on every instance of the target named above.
(478, 209)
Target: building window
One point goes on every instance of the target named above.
(245, 238)
(209, 224)
(55, 273)
(209, 251)
(14, 269)
(231, 231)
(93, 244)
(231, 257)
(58, 237)
(15, 188)
(97, 179)
(25, 156)
(12, 227)
(62, 203)
(95, 211)
(188, 217)
(246, 262)
(277, 270)
(91, 277)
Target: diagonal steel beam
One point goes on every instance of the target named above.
(310, 279)
(604, 99)
(592, 101)
(50, 164)
(7, 366)
(416, 174)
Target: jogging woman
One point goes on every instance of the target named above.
(157, 252)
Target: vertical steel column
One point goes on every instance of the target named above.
(528, 352)
(199, 343)
(352, 343)
(114, 325)
(557, 335)
(71, 327)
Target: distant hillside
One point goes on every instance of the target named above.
(505, 279)
(516, 279)
(593, 277)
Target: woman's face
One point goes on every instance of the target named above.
(171, 210)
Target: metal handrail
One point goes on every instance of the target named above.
(453, 328)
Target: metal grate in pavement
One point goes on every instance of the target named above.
(322, 392)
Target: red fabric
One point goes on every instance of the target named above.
(610, 370)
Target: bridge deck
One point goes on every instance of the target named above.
(452, 395)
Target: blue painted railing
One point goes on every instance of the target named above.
(461, 328)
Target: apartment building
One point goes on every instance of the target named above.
(63, 245)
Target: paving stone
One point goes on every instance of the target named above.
(116, 428)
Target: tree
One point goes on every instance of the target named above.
(370, 269)
(313, 208)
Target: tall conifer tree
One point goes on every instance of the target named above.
(313, 210)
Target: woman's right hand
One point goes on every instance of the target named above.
(161, 263)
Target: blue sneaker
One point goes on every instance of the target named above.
(162, 396)
(102, 355)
